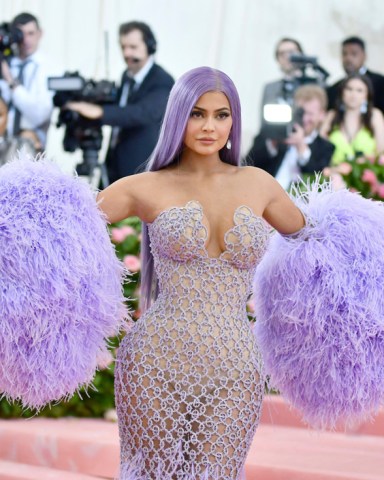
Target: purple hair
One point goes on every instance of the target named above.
(183, 97)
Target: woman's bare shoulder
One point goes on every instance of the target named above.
(255, 174)
(140, 180)
(377, 114)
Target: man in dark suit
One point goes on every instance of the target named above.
(281, 91)
(303, 151)
(354, 58)
(143, 95)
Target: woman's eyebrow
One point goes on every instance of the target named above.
(217, 110)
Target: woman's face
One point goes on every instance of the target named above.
(3, 117)
(355, 93)
(209, 124)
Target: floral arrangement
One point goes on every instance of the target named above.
(99, 402)
(363, 174)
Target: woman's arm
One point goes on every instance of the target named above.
(282, 213)
(378, 129)
(279, 210)
(121, 199)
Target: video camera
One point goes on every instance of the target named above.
(279, 118)
(81, 132)
(9, 37)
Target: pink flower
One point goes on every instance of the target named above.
(327, 172)
(104, 359)
(111, 415)
(251, 305)
(369, 177)
(119, 234)
(381, 160)
(361, 160)
(371, 158)
(344, 168)
(353, 190)
(337, 181)
(136, 314)
(380, 190)
(132, 263)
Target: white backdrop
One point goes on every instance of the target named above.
(237, 36)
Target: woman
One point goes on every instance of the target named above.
(189, 379)
(189, 382)
(355, 127)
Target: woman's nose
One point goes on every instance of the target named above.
(208, 124)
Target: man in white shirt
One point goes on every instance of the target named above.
(303, 151)
(24, 84)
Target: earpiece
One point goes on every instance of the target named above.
(149, 39)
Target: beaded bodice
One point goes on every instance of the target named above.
(178, 237)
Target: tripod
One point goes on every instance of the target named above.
(87, 136)
(91, 168)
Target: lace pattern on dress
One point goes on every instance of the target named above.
(189, 382)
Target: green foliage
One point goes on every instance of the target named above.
(98, 400)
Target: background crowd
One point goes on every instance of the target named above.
(328, 123)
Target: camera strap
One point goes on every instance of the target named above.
(17, 117)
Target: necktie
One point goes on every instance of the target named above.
(126, 93)
(132, 85)
(17, 118)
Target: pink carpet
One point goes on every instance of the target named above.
(283, 449)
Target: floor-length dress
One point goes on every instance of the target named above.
(189, 383)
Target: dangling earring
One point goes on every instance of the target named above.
(364, 107)
(229, 144)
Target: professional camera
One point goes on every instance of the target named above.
(9, 36)
(81, 132)
(317, 75)
(279, 118)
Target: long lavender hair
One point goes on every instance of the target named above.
(183, 97)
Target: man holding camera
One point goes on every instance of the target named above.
(281, 91)
(143, 96)
(303, 151)
(24, 84)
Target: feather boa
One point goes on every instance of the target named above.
(319, 307)
(61, 293)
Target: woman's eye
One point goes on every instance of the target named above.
(196, 114)
(223, 115)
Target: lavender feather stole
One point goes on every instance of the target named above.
(60, 293)
(320, 309)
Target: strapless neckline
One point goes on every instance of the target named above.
(241, 210)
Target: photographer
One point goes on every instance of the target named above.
(303, 151)
(281, 91)
(24, 83)
(143, 95)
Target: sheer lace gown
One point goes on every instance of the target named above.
(189, 382)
